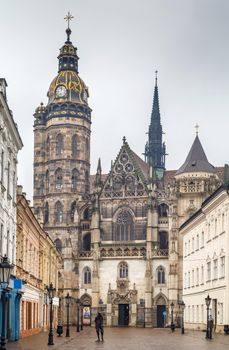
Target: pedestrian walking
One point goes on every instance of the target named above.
(99, 326)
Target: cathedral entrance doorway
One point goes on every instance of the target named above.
(123, 314)
(161, 316)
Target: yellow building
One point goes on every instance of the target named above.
(37, 262)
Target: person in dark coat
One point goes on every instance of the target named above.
(99, 326)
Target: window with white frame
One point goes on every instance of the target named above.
(202, 313)
(215, 268)
(192, 278)
(223, 219)
(185, 249)
(209, 271)
(202, 274)
(222, 266)
(185, 280)
(189, 279)
(197, 313)
(197, 242)
(189, 247)
(197, 276)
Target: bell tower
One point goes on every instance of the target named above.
(62, 131)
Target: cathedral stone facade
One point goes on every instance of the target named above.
(118, 233)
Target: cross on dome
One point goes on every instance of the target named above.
(68, 18)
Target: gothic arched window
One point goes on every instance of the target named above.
(163, 240)
(163, 210)
(87, 242)
(124, 226)
(74, 145)
(47, 181)
(58, 212)
(46, 213)
(58, 244)
(59, 144)
(87, 275)
(123, 270)
(58, 179)
(72, 212)
(160, 275)
(75, 175)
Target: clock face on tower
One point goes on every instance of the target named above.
(61, 91)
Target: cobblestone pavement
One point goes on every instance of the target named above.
(125, 339)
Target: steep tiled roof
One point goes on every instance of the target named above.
(196, 160)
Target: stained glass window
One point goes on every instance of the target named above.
(123, 270)
(124, 227)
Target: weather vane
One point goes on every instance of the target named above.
(68, 18)
(197, 128)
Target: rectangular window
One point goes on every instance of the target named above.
(185, 280)
(192, 244)
(197, 276)
(8, 178)
(185, 249)
(189, 279)
(192, 278)
(202, 274)
(215, 268)
(8, 243)
(197, 242)
(216, 227)
(197, 313)
(223, 223)
(209, 271)
(222, 266)
(189, 247)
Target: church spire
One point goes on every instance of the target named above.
(68, 58)
(155, 149)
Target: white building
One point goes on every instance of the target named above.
(10, 144)
(205, 263)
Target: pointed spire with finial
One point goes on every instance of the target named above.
(156, 110)
(98, 177)
(155, 150)
(68, 58)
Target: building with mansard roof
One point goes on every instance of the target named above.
(118, 232)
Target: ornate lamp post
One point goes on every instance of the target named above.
(68, 300)
(208, 302)
(5, 271)
(182, 318)
(51, 292)
(172, 324)
(78, 315)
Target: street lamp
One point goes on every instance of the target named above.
(78, 315)
(182, 318)
(68, 300)
(5, 271)
(208, 302)
(51, 292)
(172, 325)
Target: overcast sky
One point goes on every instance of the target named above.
(120, 44)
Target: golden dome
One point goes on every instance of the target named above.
(67, 86)
(40, 109)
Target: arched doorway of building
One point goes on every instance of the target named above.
(85, 301)
(161, 312)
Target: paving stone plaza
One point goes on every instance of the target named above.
(125, 339)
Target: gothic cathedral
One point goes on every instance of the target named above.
(118, 233)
